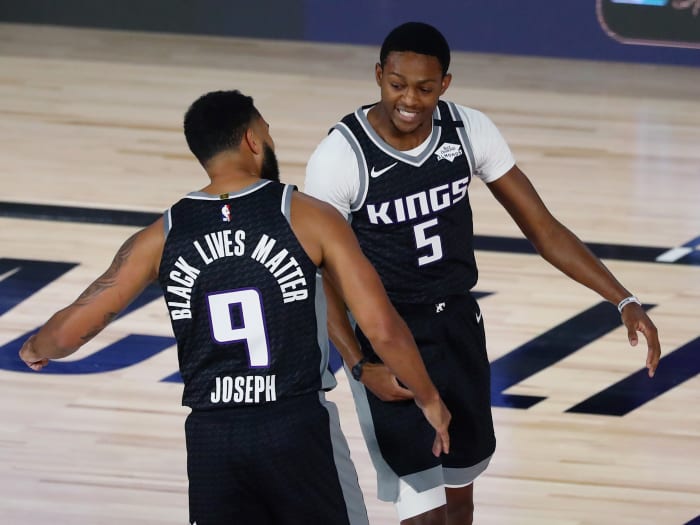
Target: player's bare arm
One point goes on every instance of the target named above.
(330, 242)
(134, 266)
(565, 251)
(375, 376)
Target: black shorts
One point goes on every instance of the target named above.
(450, 336)
(284, 462)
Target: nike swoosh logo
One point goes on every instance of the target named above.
(374, 173)
(478, 317)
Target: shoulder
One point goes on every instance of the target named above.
(313, 209)
(473, 118)
(331, 148)
(317, 225)
(332, 173)
(153, 235)
(315, 215)
(492, 155)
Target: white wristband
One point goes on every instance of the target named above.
(626, 301)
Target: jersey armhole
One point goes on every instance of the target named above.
(463, 136)
(286, 205)
(167, 222)
(362, 172)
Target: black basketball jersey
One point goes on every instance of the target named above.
(242, 298)
(412, 216)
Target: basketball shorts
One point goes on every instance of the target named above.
(450, 336)
(285, 462)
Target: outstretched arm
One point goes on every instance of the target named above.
(334, 155)
(134, 266)
(330, 243)
(560, 247)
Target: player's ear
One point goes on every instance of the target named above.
(252, 141)
(445, 83)
(378, 73)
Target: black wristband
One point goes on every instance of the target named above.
(356, 370)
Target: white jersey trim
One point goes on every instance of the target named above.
(201, 195)
(286, 205)
(360, 163)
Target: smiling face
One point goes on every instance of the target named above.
(411, 85)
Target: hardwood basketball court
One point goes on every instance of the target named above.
(91, 146)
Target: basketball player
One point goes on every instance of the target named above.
(237, 262)
(400, 170)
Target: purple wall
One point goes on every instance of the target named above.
(555, 28)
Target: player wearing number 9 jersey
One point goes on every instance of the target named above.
(237, 262)
(247, 326)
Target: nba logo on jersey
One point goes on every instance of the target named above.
(448, 151)
(226, 213)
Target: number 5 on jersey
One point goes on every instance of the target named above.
(424, 241)
(237, 315)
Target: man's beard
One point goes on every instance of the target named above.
(270, 170)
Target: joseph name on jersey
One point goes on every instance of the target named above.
(244, 389)
(229, 243)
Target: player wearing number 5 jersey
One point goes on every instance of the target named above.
(400, 170)
(411, 213)
(425, 218)
(237, 262)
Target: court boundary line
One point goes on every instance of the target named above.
(487, 243)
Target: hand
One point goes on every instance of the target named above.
(30, 357)
(439, 417)
(637, 320)
(383, 384)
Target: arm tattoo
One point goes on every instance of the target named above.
(98, 328)
(107, 279)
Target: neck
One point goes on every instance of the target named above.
(228, 173)
(228, 179)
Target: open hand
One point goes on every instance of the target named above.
(439, 418)
(636, 320)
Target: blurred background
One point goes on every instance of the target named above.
(651, 31)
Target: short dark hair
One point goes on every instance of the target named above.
(217, 121)
(420, 38)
